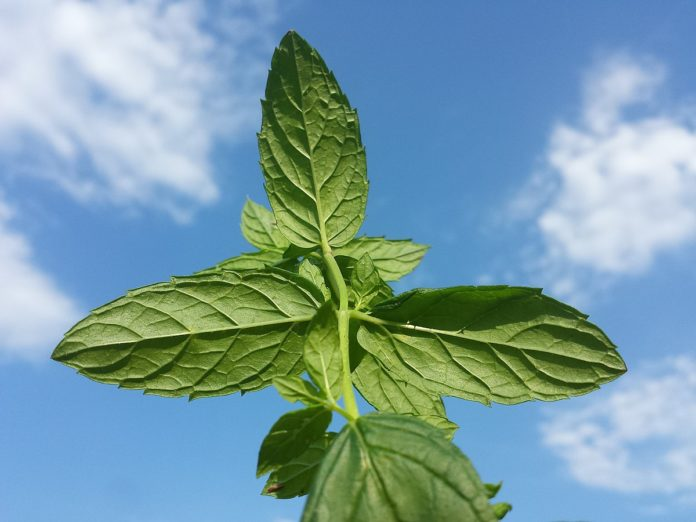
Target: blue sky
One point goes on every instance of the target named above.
(540, 143)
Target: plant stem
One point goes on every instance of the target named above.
(339, 287)
(361, 316)
(343, 413)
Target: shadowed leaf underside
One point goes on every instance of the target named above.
(394, 258)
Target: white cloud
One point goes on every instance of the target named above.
(118, 101)
(639, 438)
(123, 101)
(34, 313)
(619, 187)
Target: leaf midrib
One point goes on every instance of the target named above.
(425, 329)
(310, 156)
(371, 467)
(288, 320)
(460, 334)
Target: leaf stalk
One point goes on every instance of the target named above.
(344, 313)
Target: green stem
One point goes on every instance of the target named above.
(362, 316)
(336, 281)
(348, 393)
(339, 287)
(343, 413)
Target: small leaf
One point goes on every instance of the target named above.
(204, 335)
(247, 261)
(501, 509)
(365, 282)
(493, 489)
(347, 266)
(393, 258)
(322, 352)
(395, 468)
(501, 344)
(441, 422)
(295, 251)
(293, 388)
(295, 478)
(388, 393)
(291, 436)
(260, 229)
(312, 272)
(312, 156)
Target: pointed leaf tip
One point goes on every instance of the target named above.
(500, 344)
(202, 335)
(291, 436)
(311, 151)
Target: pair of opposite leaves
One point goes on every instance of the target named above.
(242, 324)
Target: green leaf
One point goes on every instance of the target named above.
(295, 478)
(501, 509)
(293, 388)
(502, 344)
(388, 393)
(441, 422)
(393, 258)
(395, 468)
(291, 436)
(312, 272)
(347, 266)
(493, 489)
(365, 282)
(293, 251)
(312, 156)
(201, 336)
(322, 352)
(247, 261)
(260, 229)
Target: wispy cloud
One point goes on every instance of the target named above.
(34, 312)
(618, 187)
(123, 101)
(120, 102)
(639, 438)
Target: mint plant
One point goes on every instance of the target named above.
(315, 299)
